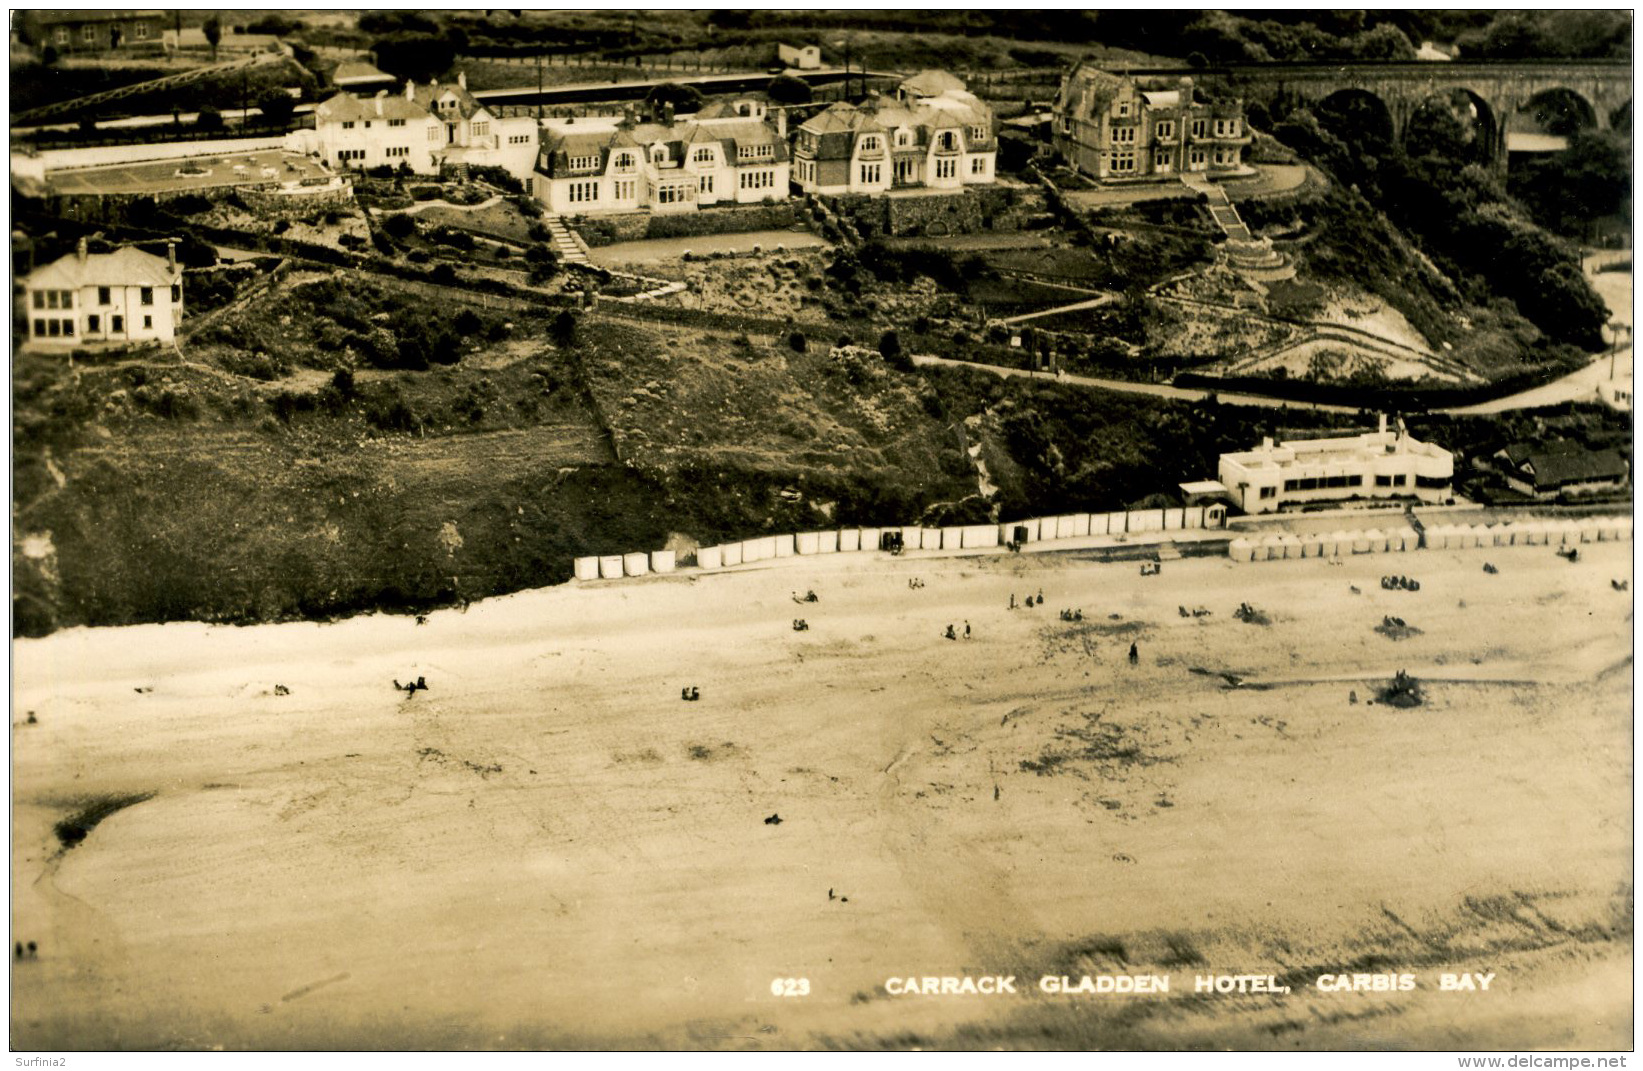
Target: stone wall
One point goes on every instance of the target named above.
(934, 215)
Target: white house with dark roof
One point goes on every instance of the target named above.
(931, 136)
(423, 127)
(386, 129)
(97, 298)
(733, 154)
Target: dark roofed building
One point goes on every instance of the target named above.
(90, 30)
(1563, 468)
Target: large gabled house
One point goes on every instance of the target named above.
(731, 154)
(386, 129)
(423, 127)
(100, 298)
(933, 135)
(1112, 127)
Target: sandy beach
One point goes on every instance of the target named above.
(547, 847)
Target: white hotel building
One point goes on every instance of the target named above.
(1377, 464)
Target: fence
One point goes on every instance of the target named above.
(970, 537)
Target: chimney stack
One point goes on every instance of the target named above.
(410, 89)
(781, 123)
(170, 256)
(462, 79)
(80, 251)
(381, 94)
(667, 113)
(1383, 424)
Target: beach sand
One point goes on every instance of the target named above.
(549, 848)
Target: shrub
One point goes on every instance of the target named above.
(443, 274)
(796, 342)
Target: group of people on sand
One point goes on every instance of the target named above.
(952, 633)
(1031, 600)
(800, 625)
(914, 583)
(411, 688)
(26, 951)
(1400, 583)
(1072, 615)
(689, 693)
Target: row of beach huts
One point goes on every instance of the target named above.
(1532, 532)
(912, 537)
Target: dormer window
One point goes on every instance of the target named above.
(1123, 108)
(978, 133)
(624, 161)
(658, 154)
(904, 138)
(584, 163)
(702, 156)
(947, 141)
(870, 143)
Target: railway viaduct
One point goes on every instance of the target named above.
(1507, 95)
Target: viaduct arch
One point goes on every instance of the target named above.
(1502, 91)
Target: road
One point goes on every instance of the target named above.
(1156, 390)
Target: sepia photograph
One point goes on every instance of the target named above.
(831, 530)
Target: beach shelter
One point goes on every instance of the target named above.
(662, 561)
(731, 554)
(610, 566)
(1533, 532)
(1360, 542)
(1623, 527)
(1291, 544)
(1377, 540)
(1408, 539)
(784, 546)
(587, 568)
(1312, 545)
(1270, 548)
(807, 542)
(1569, 530)
(849, 539)
(636, 564)
(709, 557)
(1328, 545)
(1240, 549)
(1588, 529)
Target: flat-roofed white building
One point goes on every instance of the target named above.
(1377, 464)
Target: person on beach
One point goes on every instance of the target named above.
(1135, 654)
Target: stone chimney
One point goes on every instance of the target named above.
(781, 123)
(667, 113)
(462, 79)
(1383, 424)
(170, 257)
(381, 96)
(80, 251)
(1266, 442)
(410, 89)
(627, 115)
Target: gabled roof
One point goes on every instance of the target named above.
(345, 107)
(1576, 466)
(128, 266)
(1087, 90)
(430, 95)
(358, 72)
(932, 83)
(836, 118)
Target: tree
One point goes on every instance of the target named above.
(544, 264)
(209, 119)
(418, 57)
(682, 98)
(563, 329)
(399, 225)
(276, 106)
(786, 89)
(213, 35)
